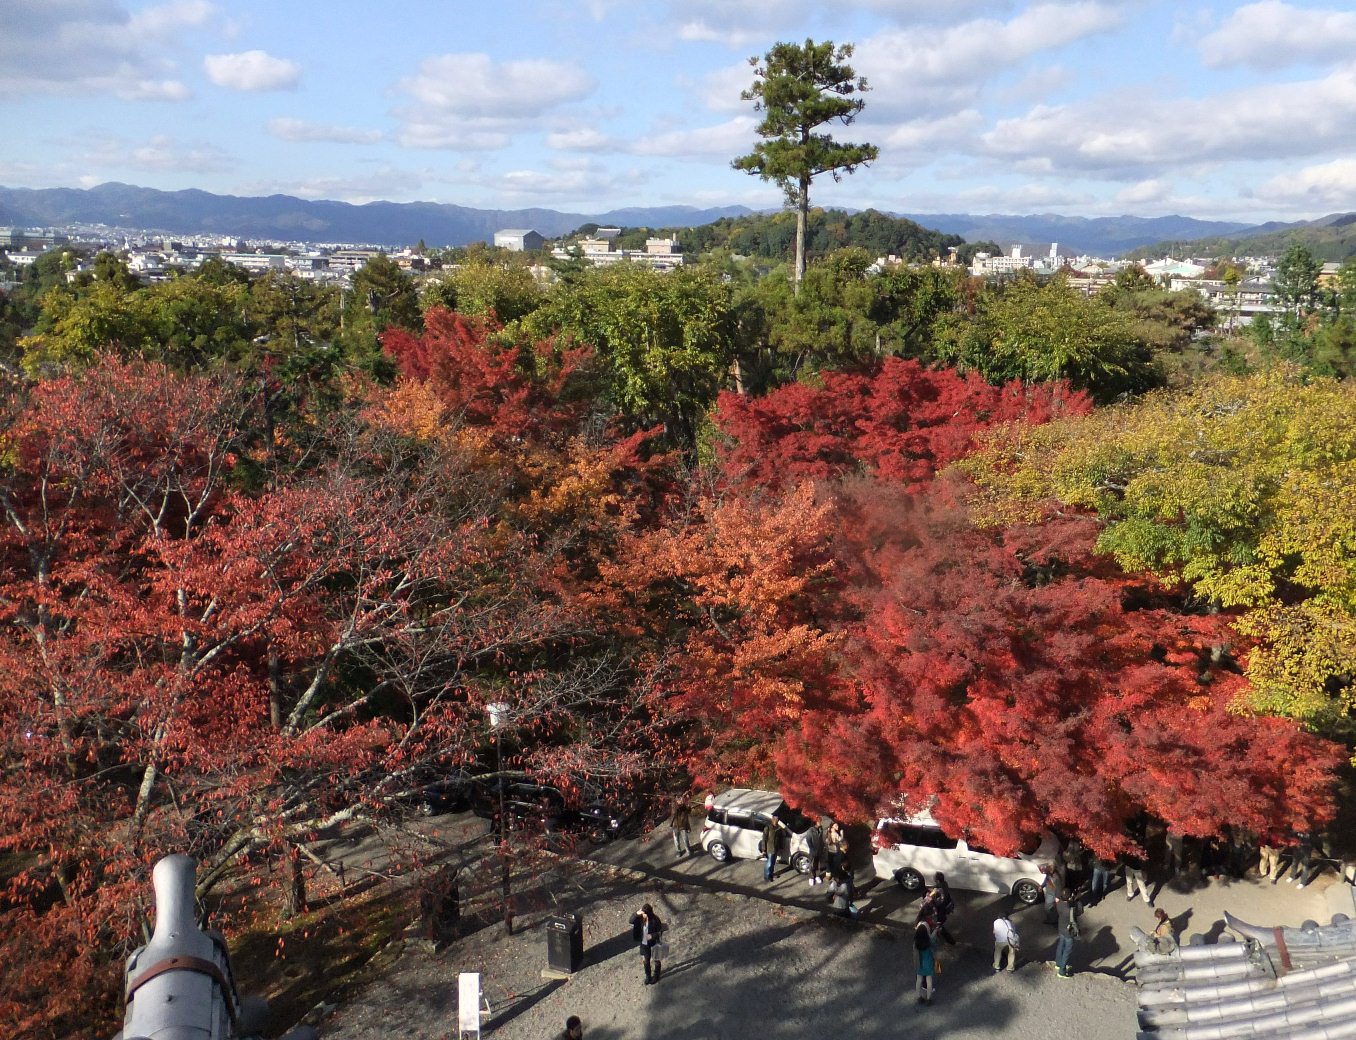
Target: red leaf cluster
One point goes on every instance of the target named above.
(902, 421)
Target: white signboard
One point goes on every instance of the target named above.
(468, 1005)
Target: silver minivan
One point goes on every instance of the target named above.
(911, 851)
(734, 827)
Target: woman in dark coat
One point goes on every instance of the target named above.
(646, 929)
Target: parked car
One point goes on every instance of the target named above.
(451, 793)
(911, 851)
(734, 827)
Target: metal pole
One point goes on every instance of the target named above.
(506, 875)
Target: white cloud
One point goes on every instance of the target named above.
(94, 47)
(584, 139)
(384, 184)
(737, 24)
(167, 19)
(1130, 136)
(162, 153)
(724, 141)
(1273, 34)
(917, 70)
(721, 89)
(1323, 188)
(1153, 190)
(469, 101)
(476, 86)
(288, 129)
(591, 183)
(252, 71)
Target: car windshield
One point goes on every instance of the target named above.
(796, 821)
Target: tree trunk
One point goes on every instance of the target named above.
(275, 715)
(296, 885)
(802, 218)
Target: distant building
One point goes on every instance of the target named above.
(256, 263)
(351, 259)
(519, 240)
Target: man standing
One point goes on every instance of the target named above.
(1134, 875)
(680, 821)
(772, 834)
(1067, 930)
(1101, 880)
(1049, 891)
(1005, 941)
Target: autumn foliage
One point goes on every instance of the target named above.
(899, 420)
(225, 627)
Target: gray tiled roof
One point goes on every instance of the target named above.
(1276, 984)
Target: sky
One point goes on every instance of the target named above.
(1212, 109)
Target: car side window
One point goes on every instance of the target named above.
(735, 818)
(929, 838)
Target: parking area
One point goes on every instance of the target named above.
(1196, 907)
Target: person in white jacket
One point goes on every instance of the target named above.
(1005, 940)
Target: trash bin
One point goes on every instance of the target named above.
(565, 942)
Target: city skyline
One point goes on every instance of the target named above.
(1091, 108)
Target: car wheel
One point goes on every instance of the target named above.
(1028, 893)
(720, 852)
(801, 862)
(598, 835)
(909, 879)
(426, 808)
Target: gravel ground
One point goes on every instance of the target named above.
(754, 960)
(739, 966)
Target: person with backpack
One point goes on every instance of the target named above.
(1006, 942)
(814, 843)
(1067, 930)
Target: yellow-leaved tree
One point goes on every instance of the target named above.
(1242, 488)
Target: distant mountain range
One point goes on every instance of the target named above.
(1329, 238)
(1097, 236)
(285, 218)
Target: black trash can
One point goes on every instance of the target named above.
(565, 942)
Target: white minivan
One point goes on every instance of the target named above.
(734, 827)
(911, 851)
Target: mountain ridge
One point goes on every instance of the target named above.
(285, 217)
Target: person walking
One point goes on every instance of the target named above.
(1007, 942)
(814, 844)
(1100, 884)
(574, 1029)
(647, 929)
(926, 958)
(1049, 891)
(1302, 869)
(772, 837)
(1067, 930)
(1133, 865)
(1174, 853)
(939, 905)
(680, 821)
(1269, 859)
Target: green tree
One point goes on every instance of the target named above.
(1027, 330)
(505, 291)
(800, 89)
(1296, 284)
(665, 338)
(381, 295)
(1240, 489)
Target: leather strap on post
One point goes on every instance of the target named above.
(193, 964)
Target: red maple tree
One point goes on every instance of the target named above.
(1013, 681)
(900, 420)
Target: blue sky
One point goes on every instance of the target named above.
(1092, 107)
